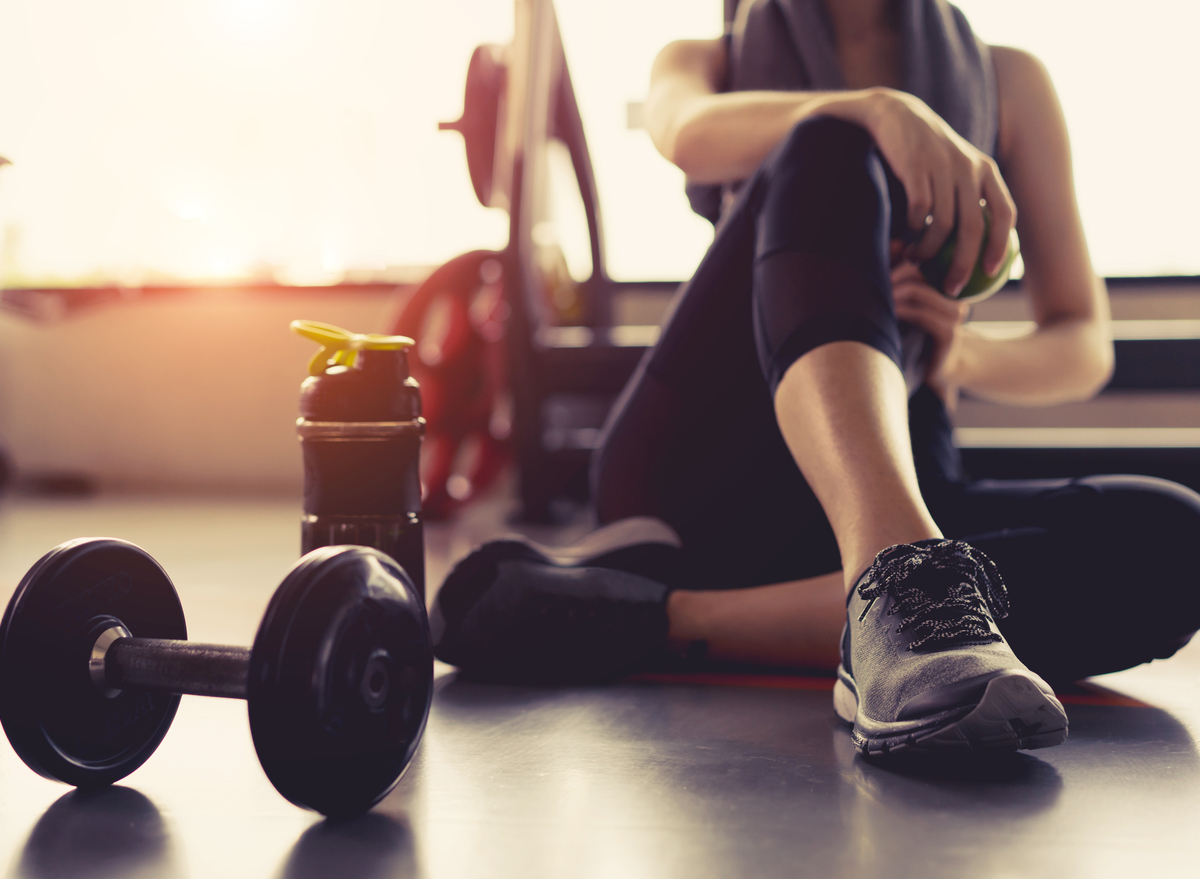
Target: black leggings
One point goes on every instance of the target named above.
(1100, 571)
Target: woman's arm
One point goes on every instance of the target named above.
(1069, 355)
(721, 138)
(718, 138)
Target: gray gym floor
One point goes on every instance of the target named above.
(742, 777)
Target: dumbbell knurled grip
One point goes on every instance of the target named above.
(177, 667)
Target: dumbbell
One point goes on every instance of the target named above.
(94, 657)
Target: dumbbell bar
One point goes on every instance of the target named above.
(121, 662)
(93, 657)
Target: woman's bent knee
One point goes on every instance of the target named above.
(1157, 519)
(824, 188)
(822, 272)
(1162, 493)
(824, 137)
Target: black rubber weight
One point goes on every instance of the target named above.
(58, 722)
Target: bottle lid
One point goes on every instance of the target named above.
(340, 347)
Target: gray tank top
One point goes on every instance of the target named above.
(788, 45)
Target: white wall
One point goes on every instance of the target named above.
(188, 390)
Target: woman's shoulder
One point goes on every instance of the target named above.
(1017, 64)
(1027, 97)
(1020, 75)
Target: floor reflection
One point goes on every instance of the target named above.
(111, 832)
(1148, 750)
(374, 845)
(1017, 815)
(1014, 784)
(1138, 726)
(692, 780)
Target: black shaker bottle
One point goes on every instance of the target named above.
(360, 430)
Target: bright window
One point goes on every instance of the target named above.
(293, 140)
(1126, 75)
(296, 140)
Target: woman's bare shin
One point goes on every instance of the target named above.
(843, 410)
(791, 624)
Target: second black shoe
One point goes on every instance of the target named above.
(515, 611)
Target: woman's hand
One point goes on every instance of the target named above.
(942, 318)
(946, 179)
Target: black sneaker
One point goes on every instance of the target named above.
(924, 667)
(519, 612)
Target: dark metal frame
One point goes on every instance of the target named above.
(541, 371)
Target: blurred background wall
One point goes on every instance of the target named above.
(192, 390)
(281, 159)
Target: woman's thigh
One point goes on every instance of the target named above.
(693, 440)
(1100, 570)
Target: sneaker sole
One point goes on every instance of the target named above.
(1013, 714)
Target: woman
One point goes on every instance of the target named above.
(780, 470)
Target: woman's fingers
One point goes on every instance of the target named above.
(937, 323)
(920, 304)
(919, 191)
(906, 271)
(959, 202)
(1004, 217)
(915, 290)
(945, 178)
(969, 238)
(940, 220)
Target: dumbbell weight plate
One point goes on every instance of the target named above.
(57, 720)
(341, 677)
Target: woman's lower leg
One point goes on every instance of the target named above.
(788, 624)
(843, 410)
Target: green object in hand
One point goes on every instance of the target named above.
(980, 285)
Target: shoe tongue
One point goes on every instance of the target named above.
(933, 573)
(934, 583)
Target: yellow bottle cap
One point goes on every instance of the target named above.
(340, 347)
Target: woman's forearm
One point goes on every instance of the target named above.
(1069, 356)
(1060, 362)
(721, 138)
